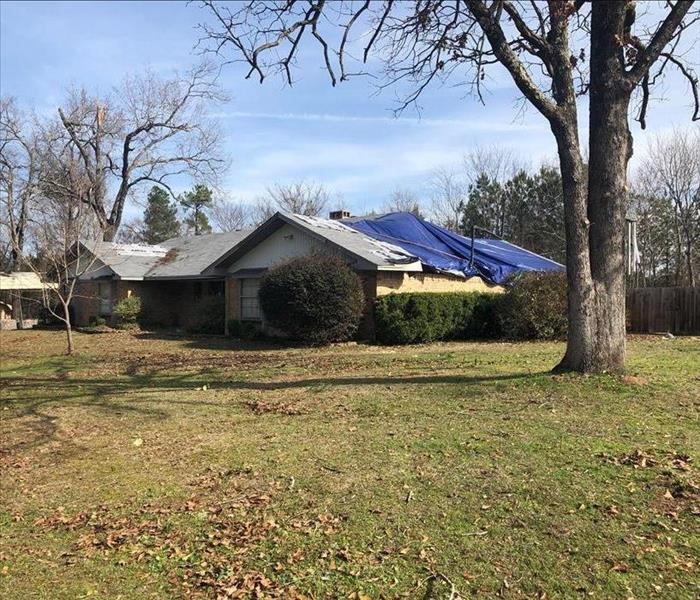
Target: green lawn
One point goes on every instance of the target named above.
(146, 467)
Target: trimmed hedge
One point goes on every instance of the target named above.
(316, 299)
(533, 307)
(413, 318)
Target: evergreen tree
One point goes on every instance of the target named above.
(160, 217)
(485, 206)
(526, 210)
(195, 202)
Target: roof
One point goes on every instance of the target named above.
(21, 280)
(180, 258)
(395, 241)
(448, 252)
(195, 253)
(374, 253)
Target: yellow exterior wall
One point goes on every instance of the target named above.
(389, 282)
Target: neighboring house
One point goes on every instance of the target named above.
(172, 278)
(15, 287)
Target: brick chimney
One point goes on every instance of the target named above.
(337, 215)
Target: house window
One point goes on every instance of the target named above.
(104, 291)
(250, 304)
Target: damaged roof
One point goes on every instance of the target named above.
(179, 258)
(372, 253)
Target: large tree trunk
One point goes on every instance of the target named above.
(596, 340)
(109, 233)
(578, 272)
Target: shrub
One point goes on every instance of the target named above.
(96, 321)
(127, 312)
(534, 307)
(316, 299)
(244, 329)
(210, 315)
(426, 317)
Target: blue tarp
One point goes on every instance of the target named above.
(445, 251)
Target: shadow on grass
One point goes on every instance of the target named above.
(214, 342)
(26, 397)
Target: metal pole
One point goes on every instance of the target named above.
(471, 260)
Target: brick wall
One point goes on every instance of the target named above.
(397, 282)
(369, 285)
(233, 300)
(86, 303)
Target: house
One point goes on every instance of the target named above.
(167, 277)
(15, 288)
(391, 253)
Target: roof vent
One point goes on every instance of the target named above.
(337, 215)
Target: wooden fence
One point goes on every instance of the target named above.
(662, 309)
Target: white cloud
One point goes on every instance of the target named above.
(470, 123)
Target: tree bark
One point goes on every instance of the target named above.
(109, 232)
(69, 329)
(580, 290)
(596, 341)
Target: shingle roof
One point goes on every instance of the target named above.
(195, 253)
(382, 254)
(374, 253)
(182, 257)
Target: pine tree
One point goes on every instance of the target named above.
(160, 217)
(196, 201)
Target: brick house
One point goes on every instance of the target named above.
(175, 277)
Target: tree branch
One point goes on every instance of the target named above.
(663, 35)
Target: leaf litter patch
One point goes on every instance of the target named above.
(200, 542)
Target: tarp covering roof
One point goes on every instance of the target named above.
(448, 252)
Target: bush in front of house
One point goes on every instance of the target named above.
(97, 321)
(412, 318)
(127, 312)
(315, 299)
(246, 330)
(534, 307)
(210, 317)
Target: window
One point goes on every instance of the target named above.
(250, 304)
(104, 291)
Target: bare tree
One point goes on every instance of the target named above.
(498, 163)
(60, 228)
(149, 131)
(299, 197)
(403, 200)
(449, 190)
(554, 52)
(672, 172)
(227, 215)
(132, 231)
(19, 177)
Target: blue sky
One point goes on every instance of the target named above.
(345, 137)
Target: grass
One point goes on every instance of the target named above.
(158, 468)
